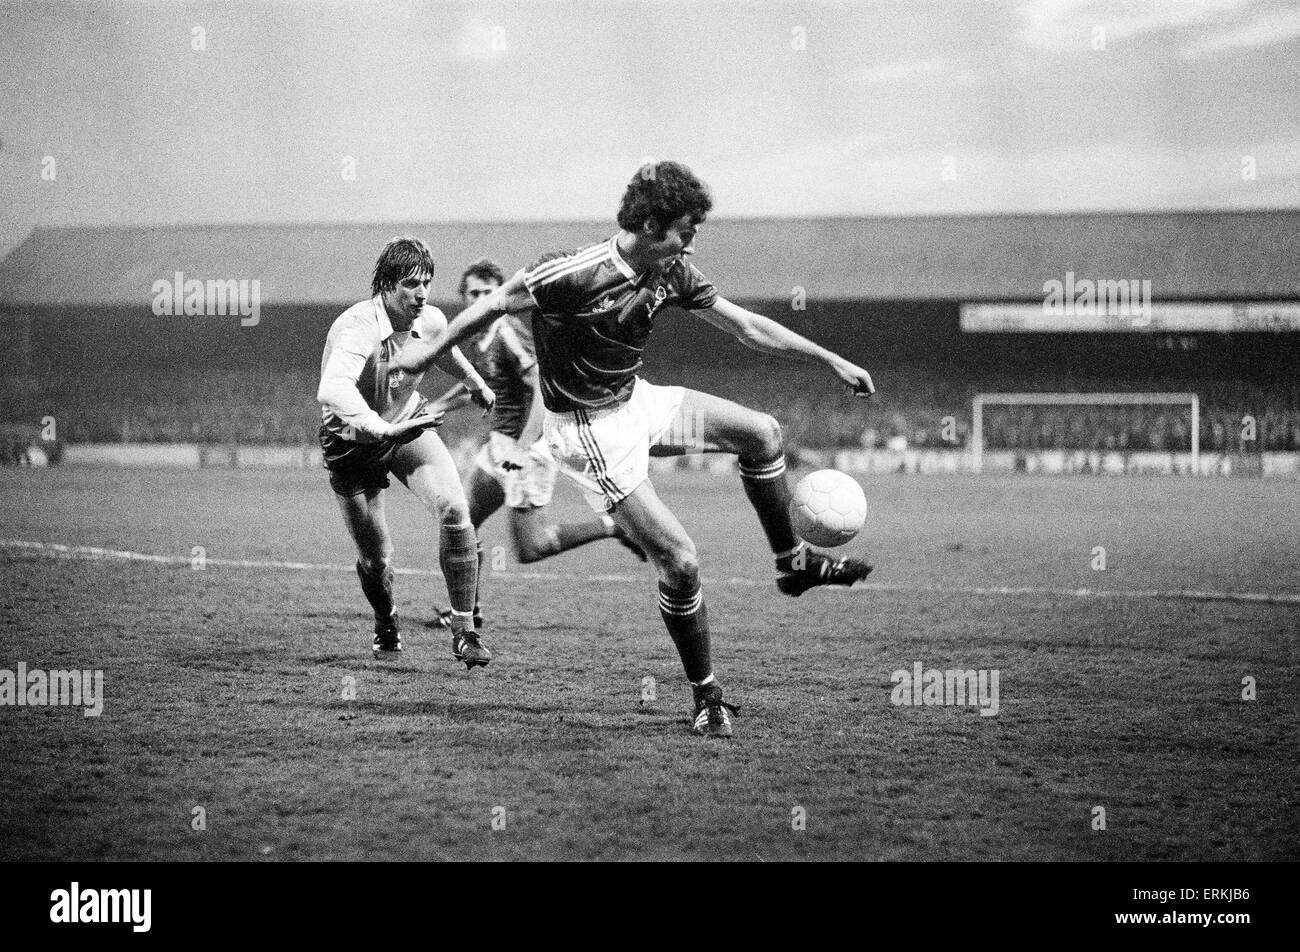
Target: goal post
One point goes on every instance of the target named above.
(982, 400)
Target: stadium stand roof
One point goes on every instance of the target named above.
(1185, 255)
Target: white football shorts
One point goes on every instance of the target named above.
(610, 448)
(528, 488)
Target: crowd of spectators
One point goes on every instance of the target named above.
(919, 408)
(1253, 425)
(911, 409)
(220, 407)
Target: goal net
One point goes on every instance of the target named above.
(986, 405)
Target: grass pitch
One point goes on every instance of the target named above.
(225, 686)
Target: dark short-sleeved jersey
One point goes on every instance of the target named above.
(509, 355)
(593, 318)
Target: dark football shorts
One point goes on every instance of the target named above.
(357, 468)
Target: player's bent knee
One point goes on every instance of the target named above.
(374, 551)
(768, 436)
(454, 513)
(538, 544)
(762, 440)
(681, 569)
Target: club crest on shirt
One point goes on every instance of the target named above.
(661, 295)
(644, 299)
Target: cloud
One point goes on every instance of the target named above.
(481, 40)
(1067, 25)
(853, 176)
(1264, 29)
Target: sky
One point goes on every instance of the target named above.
(128, 113)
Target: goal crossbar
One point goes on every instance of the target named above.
(982, 400)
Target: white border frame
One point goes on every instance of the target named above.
(1080, 399)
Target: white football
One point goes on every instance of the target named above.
(828, 507)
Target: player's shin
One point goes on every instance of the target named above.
(377, 584)
(687, 620)
(458, 556)
(769, 493)
(536, 539)
(570, 535)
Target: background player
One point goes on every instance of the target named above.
(593, 313)
(514, 467)
(374, 421)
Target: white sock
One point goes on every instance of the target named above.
(795, 551)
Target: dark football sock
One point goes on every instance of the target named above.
(769, 494)
(687, 621)
(378, 589)
(458, 556)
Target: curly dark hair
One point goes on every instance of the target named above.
(663, 192)
(485, 269)
(401, 257)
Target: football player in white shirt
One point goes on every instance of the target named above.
(376, 422)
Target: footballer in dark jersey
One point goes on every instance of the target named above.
(593, 311)
(509, 469)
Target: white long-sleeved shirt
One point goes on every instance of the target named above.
(360, 397)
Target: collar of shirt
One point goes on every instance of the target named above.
(626, 270)
(623, 267)
(386, 326)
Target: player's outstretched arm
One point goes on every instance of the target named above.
(766, 335)
(510, 298)
(455, 364)
(455, 398)
(536, 411)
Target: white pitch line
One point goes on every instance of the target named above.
(93, 553)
